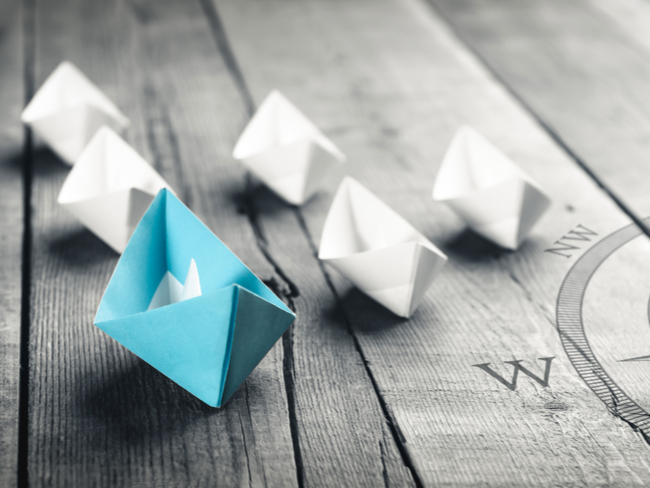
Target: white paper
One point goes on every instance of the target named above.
(171, 291)
(67, 111)
(286, 151)
(487, 190)
(377, 250)
(110, 187)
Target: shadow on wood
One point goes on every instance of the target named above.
(48, 164)
(13, 161)
(367, 314)
(80, 248)
(469, 246)
(137, 405)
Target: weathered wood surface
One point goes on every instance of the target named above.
(582, 73)
(352, 396)
(11, 233)
(99, 416)
(390, 84)
(96, 409)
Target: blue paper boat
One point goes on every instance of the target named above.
(208, 344)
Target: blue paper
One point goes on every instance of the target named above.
(208, 344)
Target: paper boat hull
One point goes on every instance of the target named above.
(504, 214)
(112, 217)
(209, 344)
(399, 287)
(295, 172)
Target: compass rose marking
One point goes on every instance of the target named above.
(571, 329)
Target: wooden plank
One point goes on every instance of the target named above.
(103, 417)
(390, 84)
(11, 234)
(100, 416)
(632, 17)
(580, 73)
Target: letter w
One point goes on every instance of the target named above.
(582, 235)
(573, 235)
(517, 365)
(562, 246)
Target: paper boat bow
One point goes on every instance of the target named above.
(377, 250)
(67, 111)
(110, 188)
(210, 343)
(286, 151)
(494, 197)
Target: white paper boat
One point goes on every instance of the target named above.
(170, 290)
(490, 192)
(286, 151)
(377, 250)
(67, 111)
(110, 187)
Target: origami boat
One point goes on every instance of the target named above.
(67, 111)
(377, 250)
(109, 188)
(209, 335)
(488, 191)
(286, 150)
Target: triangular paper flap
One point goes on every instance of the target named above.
(105, 216)
(258, 326)
(171, 290)
(358, 221)
(168, 237)
(384, 268)
(534, 203)
(67, 87)
(107, 165)
(276, 123)
(189, 342)
(322, 171)
(192, 285)
(428, 265)
(68, 131)
(283, 169)
(472, 164)
(494, 204)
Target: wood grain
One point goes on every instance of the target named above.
(389, 83)
(11, 234)
(582, 74)
(100, 416)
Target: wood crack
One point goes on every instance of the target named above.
(398, 437)
(248, 207)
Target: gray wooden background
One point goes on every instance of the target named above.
(352, 395)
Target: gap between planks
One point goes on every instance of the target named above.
(29, 56)
(223, 45)
(553, 134)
